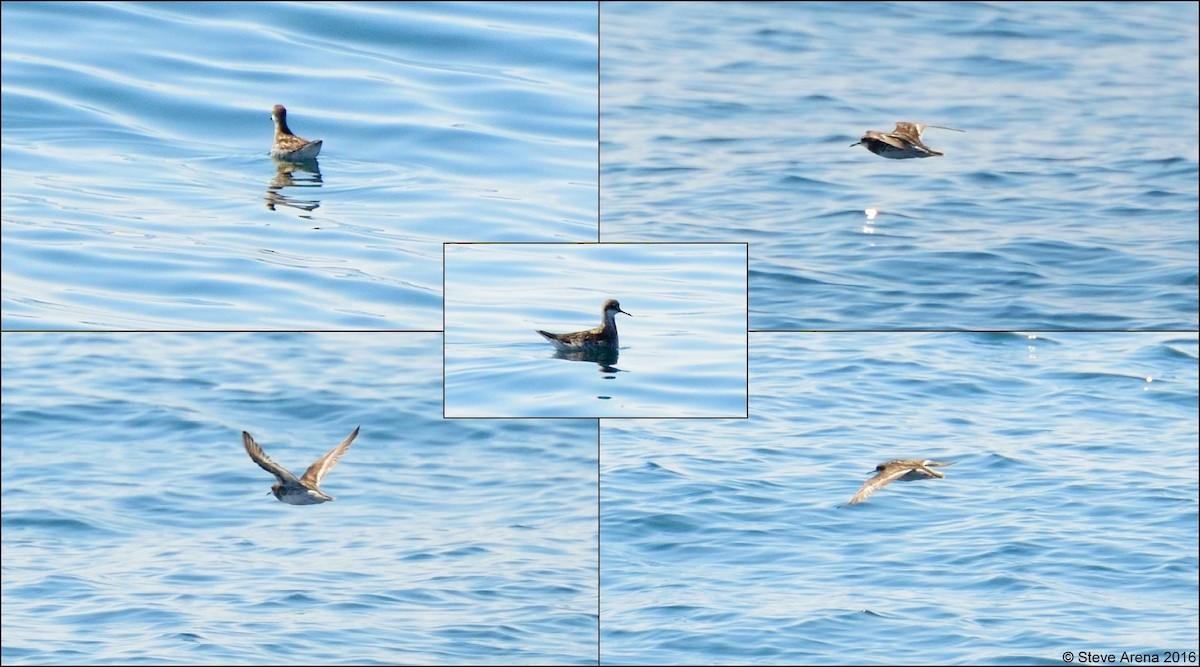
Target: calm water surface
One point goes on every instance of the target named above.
(682, 348)
(138, 194)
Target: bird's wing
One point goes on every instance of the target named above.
(927, 467)
(260, 457)
(317, 471)
(897, 140)
(909, 129)
(916, 141)
(910, 132)
(880, 480)
(943, 127)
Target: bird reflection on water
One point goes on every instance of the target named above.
(304, 174)
(605, 358)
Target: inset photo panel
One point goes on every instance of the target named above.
(595, 330)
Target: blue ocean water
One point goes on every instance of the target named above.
(138, 193)
(682, 347)
(1069, 202)
(1068, 521)
(137, 530)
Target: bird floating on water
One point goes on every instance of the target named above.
(905, 470)
(288, 146)
(289, 488)
(601, 338)
(902, 142)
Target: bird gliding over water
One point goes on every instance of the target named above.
(905, 470)
(303, 490)
(902, 142)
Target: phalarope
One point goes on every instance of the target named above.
(603, 337)
(904, 470)
(902, 142)
(289, 488)
(288, 146)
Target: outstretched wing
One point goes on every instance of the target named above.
(909, 130)
(880, 480)
(927, 467)
(942, 127)
(317, 471)
(909, 133)
(260, 457)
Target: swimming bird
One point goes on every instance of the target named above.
(601, 338)
(304, 490)
(902, 142)
(904, 470)
(288, 146)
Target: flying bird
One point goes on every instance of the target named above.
(902, 142)
(303, 490)
(905, 470)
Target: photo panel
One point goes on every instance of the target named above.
(132, 502)
(151, 193)
(1062, 464)
(750, 126)
(595, 330)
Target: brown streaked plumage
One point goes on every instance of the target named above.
(288, 146)
(905, 470)
(902, 142)
(290, 489)
(603, 337)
